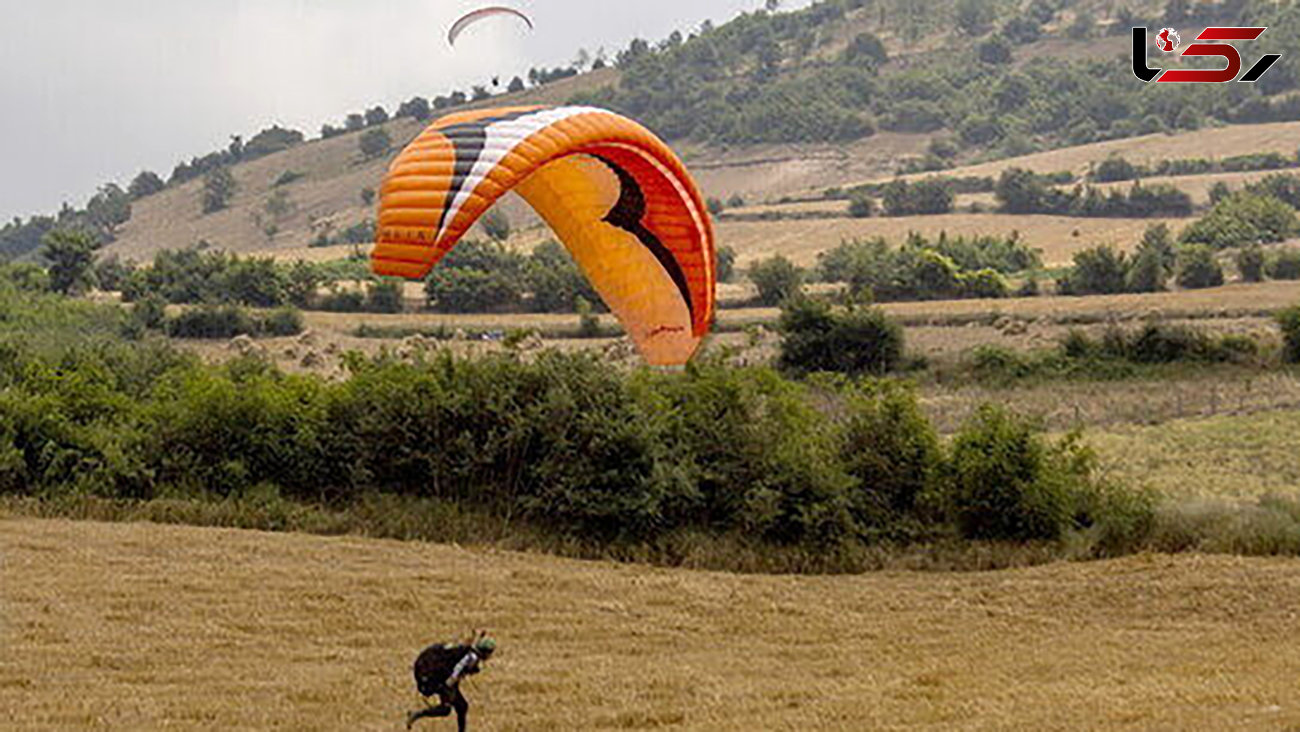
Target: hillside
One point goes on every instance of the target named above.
(145, 626)
(829, 96)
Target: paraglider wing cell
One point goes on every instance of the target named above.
(471, 18)
(612, 192)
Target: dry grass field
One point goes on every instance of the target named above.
(1230, 300)
(1215, 142)
(138, 626)
(1058, 236)
(1123, 404)
(1232, 456)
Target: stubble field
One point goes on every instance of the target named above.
(137, 626)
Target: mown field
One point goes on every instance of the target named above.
(138, 626)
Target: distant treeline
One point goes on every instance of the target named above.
(775, 77)
(1117, 167)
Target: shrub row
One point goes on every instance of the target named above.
(225, 321)
(1114, 354)
(1118, 168)
(927, 270)
(564, 442)
(1020, 191)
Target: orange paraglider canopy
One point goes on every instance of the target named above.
(613, 192)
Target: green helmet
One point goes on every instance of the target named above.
(485, 646)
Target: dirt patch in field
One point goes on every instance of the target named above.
(141, 626)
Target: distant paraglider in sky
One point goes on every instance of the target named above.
(618, 198)
(483, 14)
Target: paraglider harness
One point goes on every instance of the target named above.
(438, 671)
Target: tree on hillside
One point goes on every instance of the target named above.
(71, 255)
(1042, 11)
(354, 122)
(1022, 29)
(726, 263)
(1159, 239)
(516, 85)
(375, 143)
(1097, 271)
(1197, 267)
(995, 50)
(1147, 273)
(271, 140)
(974, 17)
(109, 209)
(417, 109)
(376, 116)
(218, 188)
(777, 279)
(146, 183)
(866, 48)
(1083, 26)
(496, 224)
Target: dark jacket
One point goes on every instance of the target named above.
(441, 666)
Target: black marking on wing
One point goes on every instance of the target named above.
(628, 214)
(467, 141)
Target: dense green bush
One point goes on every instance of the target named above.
(984, 283)
(1158, 342)
(1242, 219)
(462, 290)
(1146, 273)
(755, 456)
(384, 297)
(556, 281)
(283, 321)
(1250, 263)
(922, 198)
(211, 321)
(1289, 321)
(1285, 265)
(1098, 271)
(894, 456)
(1198, 267)
(1009, 482)
(921, 269)
(1114, 168)
(228, 321)
(862, 207)
(726, 263)
(149, 313)
(855, 341)
(777, 279)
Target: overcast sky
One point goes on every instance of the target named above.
(96, 90)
